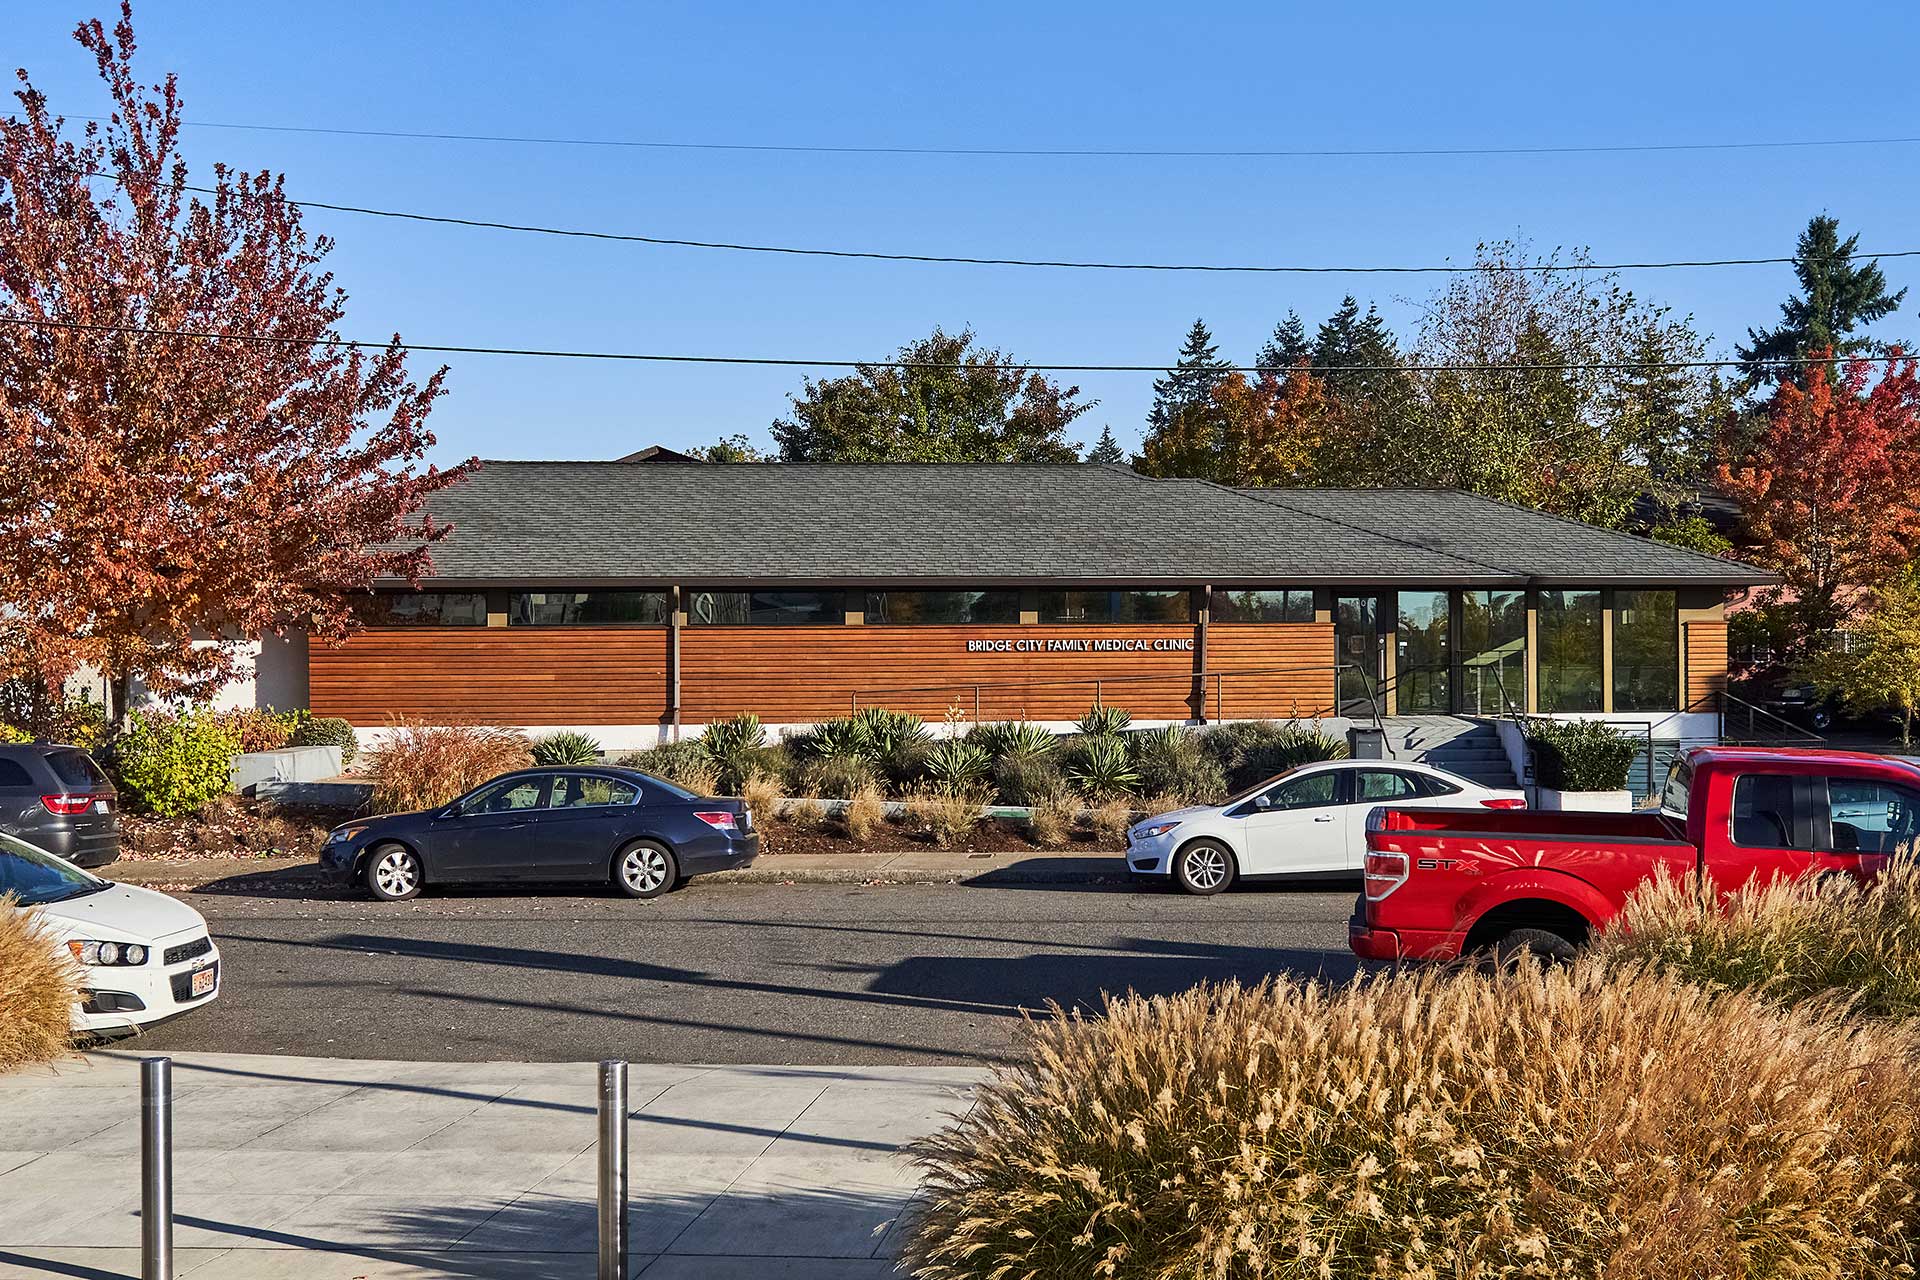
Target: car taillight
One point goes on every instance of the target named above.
(1503, 802)
(1385, 872)
(66, 806)
(723, 821)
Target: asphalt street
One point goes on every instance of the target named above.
(725, 973)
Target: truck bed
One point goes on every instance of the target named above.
(1533, 824)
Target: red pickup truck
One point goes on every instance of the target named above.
(1443, 882)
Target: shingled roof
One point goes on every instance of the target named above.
(980, 523)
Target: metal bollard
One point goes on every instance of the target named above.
(613, 1170)
(156, 1169)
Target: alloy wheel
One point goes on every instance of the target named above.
(1206, 868)
(644, 868)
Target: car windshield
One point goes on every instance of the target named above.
(34, 877)
(1258, 787)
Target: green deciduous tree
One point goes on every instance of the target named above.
(1880, 668)
(1838, 295)
(950, 401)
(737, 447)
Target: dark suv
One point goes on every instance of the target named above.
(57, 798)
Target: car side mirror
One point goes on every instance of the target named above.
(1263, 802)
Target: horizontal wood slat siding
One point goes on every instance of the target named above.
(1263, 645)
(798, 674)
(1706, 659)
(496, 675)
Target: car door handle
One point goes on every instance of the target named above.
(1325, 817)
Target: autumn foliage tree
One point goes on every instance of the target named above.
(1828, 488)
(163, 496)
(1252, 433)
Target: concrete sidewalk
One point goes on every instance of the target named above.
(915, 866)
(330, 1169)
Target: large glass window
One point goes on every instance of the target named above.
(767, 608)
(1646, 651)
(1235, 604)
(426, 608)
(1493, 651)
(1116, 606)
(587, 608)
(1570, 641)
(1423, 653)
(950, 607)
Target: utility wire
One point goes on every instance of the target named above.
(1054, 152)
(797, 362)
(1225, 268)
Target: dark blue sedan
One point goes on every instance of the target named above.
(618, 826)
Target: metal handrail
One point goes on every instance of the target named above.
(1750, 710)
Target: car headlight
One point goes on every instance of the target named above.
(101, 955)
(1157, 829)
(345, 835)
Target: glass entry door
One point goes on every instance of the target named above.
(1360, 647)
(1423, 654)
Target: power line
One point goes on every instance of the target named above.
(802, 362)
(1152, 153)
(1219, 268)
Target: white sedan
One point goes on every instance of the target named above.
(142, 956)
(1308, 821)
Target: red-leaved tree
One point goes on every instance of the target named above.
(163, 497)
(1828, 493)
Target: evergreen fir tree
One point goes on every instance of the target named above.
(1333, 345)
(1287, 347)
(1837, 296)
(1191, 380)
(1106, 448)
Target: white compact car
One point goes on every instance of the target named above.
(143, 956)
(1309, 821)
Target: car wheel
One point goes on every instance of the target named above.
(1203, 868)
(645, 870)
(394, 873)
(1541, 946)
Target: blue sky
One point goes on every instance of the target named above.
(1108, 75)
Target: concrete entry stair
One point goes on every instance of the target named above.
(1458, 744)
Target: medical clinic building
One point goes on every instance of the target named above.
(642, 600)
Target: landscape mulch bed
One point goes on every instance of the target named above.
(236, 827)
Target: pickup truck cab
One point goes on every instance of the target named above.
(1440, 883)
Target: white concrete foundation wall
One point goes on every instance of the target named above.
(638, 737)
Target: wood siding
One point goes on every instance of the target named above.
(497, 675)
(1263, 646)
(799, 674)
(1705, 659)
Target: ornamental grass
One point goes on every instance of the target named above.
(1595, 1121)
(37, 991)
(1829, 939)
(420, 766)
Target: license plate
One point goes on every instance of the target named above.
(101, 806)
(203, 982)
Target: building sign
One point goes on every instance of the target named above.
(1100, 644)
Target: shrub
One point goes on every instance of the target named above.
(566, 747)
(1101, 766)
(843, 738)
(1230, 743)
(682, 763)
(38, 989)
(1580, 1122)
(1023, 779)
(762, 795)
(420, 766)
(1829, 938)
(1172, 761)
(865, 813)
(1018, 739)
(1110, 819)
(1251, 751)
(957, 765)
(261, 729)
(26, 709)
(898, 739)
(327, 731)
(737, 749)
(9, 734)
(170, 764)
(807, 814)
(1102, 721)
(1050, 822)
(945, 813)
(1580, 755)
(837, 778)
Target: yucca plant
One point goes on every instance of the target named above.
(568, 746)
(1594, 1121)
(891, 732)
(1020, 738)
(1101, 766)
(956, 764)
(842, 738)
(737, 750)
(1102, 720)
